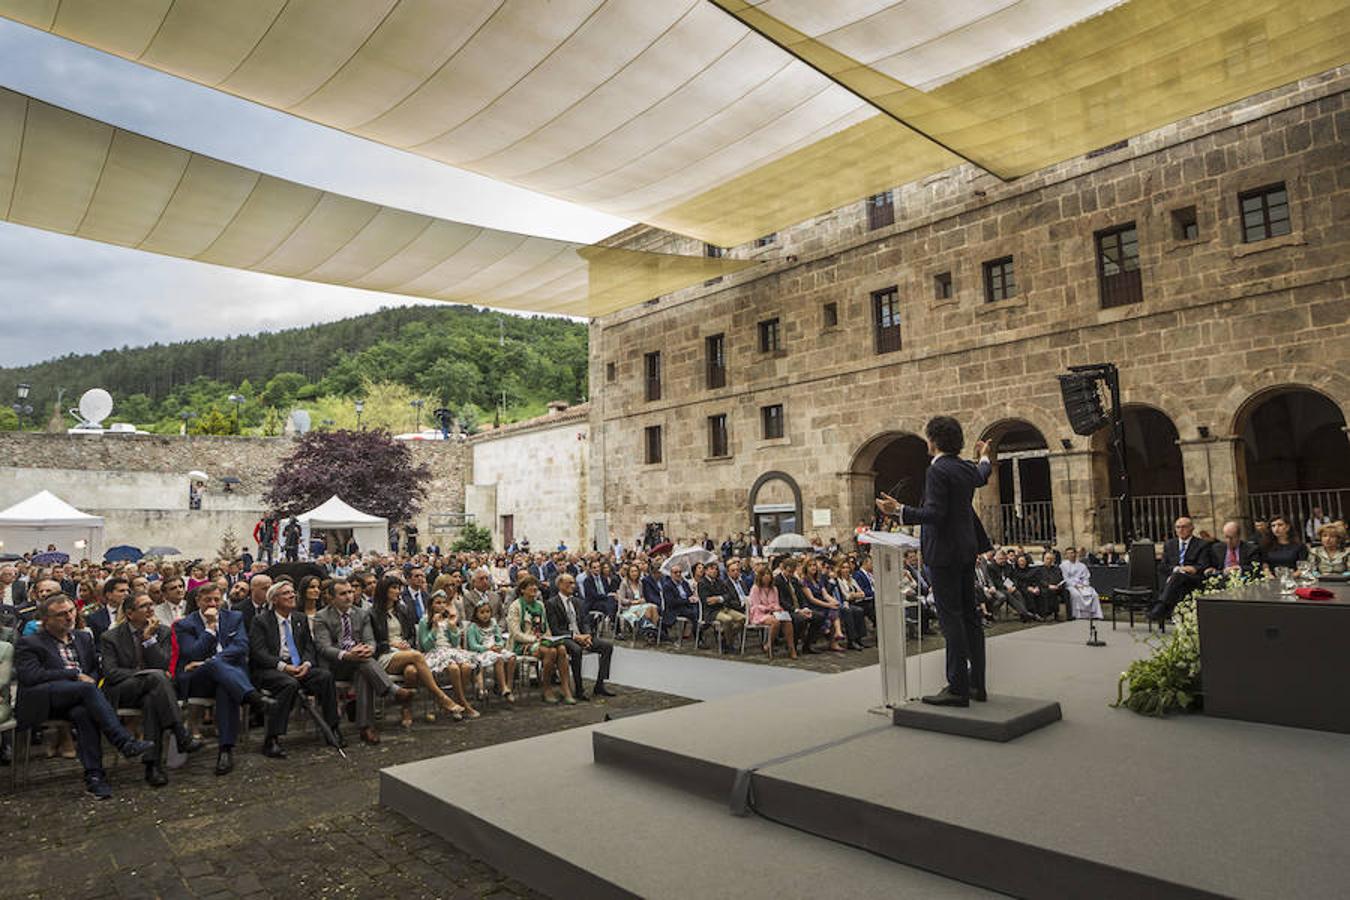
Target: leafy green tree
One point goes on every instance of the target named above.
(213, 421)
(473, 539)
(281, 389)
(9, 420)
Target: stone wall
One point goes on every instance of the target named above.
(535, 472)
(1221, 322)
(139, 483)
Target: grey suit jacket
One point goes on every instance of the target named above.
(328, 632)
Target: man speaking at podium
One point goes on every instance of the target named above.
(950, 539)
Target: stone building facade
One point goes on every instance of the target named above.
(1231, 334)
(139, 483)
(529, 479)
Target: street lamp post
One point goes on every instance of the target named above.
(417, 415)
(238, 401)
(23, 408)
(360, 408)
(186, 415)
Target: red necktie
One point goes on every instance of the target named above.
(1232, 559)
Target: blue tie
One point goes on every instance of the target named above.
(293, 650)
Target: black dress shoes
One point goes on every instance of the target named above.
(979, 694)
(134, 748)
(272, 748)
(225, 761)
(155, 775)
(98, 786)
(600, 690)
(946, 697)
(186, 742)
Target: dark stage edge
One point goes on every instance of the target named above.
(1105, 804)
(1002, 718)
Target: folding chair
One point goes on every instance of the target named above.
(1142, 592)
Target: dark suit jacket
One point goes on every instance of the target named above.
(672, 595)
(19, 592)
(195, 643)
(99, 621)
(950, 535)
(118, 650)
(246, 609)
(38, 663)
(717, 587)
(791, 594)
(1197, 554)
(264, 640)
(405, 597)
(1249, 554)
(651, 590)
(556, 615)
(327, 631)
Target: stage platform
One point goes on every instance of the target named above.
(1104, 803)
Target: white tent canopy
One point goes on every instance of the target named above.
(371, 532)
(45, 518)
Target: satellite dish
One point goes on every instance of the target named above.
(299, 420)
(96, 404)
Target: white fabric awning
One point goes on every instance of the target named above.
(45, 518)
(45, 508)
(337, 513)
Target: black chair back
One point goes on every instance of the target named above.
(1143, 566)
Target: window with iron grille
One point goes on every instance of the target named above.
(770, 336)
(717, 436)
(652, 441)
(1265, 213)
(880, 210)
(712, 251)
(942, 286)
(999, 283)
(766, 240)
(771, 418)
(829, 315)
(716, 351)
(1185, 224)
(651, 367)
(610, 371)
(886, 319)
(1118, 277)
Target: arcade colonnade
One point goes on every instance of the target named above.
(1274, 445)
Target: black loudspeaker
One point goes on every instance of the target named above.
(1082, 403)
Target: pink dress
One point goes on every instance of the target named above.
(763, 605)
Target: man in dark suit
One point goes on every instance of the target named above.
(1184, 560)
(566, 615)
(1233, 554)
(13, 590)
(594, 593)
(212, 661)
(283, 662)
(792, 597)
(950, 541)
(677, 600)
(57, 670)
(256, 601)
(721, 602)
(415, 595)
(135, 656)
(114, 593)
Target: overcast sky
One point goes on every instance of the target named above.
(62, 294)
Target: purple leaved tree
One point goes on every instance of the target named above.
(368, 469)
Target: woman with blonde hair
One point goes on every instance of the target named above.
(1331, 556)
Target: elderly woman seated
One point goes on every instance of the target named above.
(1332, 557)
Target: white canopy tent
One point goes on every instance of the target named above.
(335, 514)
(45, 518)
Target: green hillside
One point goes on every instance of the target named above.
(454, 356)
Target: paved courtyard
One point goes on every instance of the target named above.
(308, 826)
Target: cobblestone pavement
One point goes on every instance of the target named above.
(824, 661)
(307, 826)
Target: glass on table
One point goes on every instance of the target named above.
(1286, 577)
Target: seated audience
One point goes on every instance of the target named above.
(720, 602)
(595, 593)
(678, 600)
(114, 593)
(765, 609)
(345, 643)
(395, 630)
(1052, 587)
(806, 623)
(440, 637)
(134, 658)
(1233, 554)
(58, 672)
(527, 626)
(284, 662)
(212, 662)
(1285, 549)
(564, 611)
(171, 606)
(1184, 559)
(487, 640)
(1331, 557)
(1083, 600)
(481, 590)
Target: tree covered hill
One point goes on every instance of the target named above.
(455, 356)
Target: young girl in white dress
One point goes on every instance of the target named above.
(487, 642)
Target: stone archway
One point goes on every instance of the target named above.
(1291, 453)
(893, 462)
(1018, 505)
(775, 506)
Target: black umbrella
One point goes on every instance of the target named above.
(323, 727)
(230, 479)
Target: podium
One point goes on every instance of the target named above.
(888, 558)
